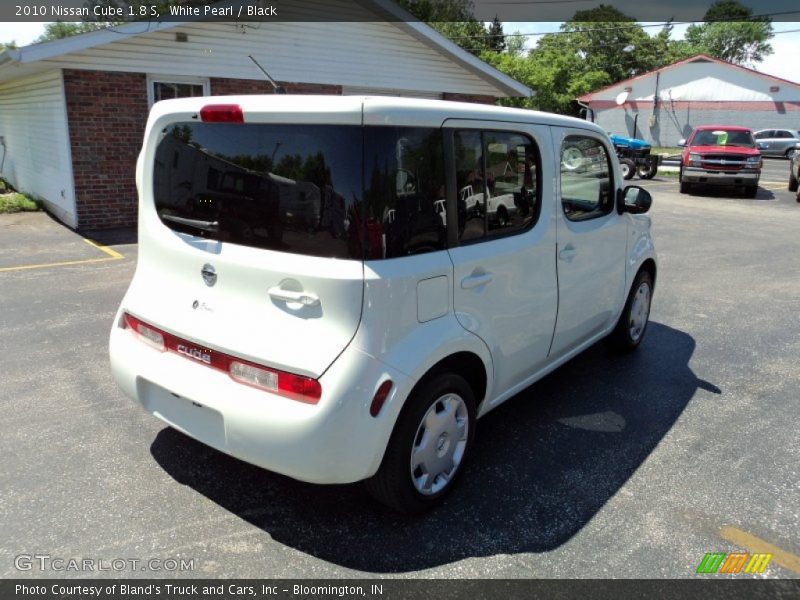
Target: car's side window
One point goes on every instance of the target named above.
(763, 135)
(587, 187)
(497, 183)
(784, 134)
(404, 191)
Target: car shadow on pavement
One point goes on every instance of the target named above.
(730, 193)
(543, 464)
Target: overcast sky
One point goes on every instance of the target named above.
(781, 64)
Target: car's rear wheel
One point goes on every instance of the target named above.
(428, 447)
(632, 324)
(647, 171)
(627, 167)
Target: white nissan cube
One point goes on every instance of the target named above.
(337, 288)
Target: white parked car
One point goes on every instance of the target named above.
(362, 340)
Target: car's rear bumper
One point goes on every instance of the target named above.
(334, 441)
(742, 177)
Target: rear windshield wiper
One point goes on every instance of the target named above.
(212, 226)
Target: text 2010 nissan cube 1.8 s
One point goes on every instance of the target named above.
(336, 288)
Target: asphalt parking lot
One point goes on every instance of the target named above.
(609, 467)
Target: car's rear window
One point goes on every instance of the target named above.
(292, 188)
(319, 190)
(724, 137)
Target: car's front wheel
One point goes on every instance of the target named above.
(627, 167)
(428, 447)
(632, 324)
(684, 186)
(792, 179)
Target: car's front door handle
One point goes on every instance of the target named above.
(474, 281)
(304, 298)
(568, 253)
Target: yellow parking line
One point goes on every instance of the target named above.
(103, 248)
(59, 264)
(753, 545)
(112, 255)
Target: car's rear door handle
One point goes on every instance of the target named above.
(568, 253)
(474, 281)
(305, 298)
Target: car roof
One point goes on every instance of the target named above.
(374, 110)
(726, 127)
(789, 129)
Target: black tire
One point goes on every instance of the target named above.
(393, 484)
(792, 179)
(627, 167)
(622, 338)
(647, 171)
(750, 191)
(789, 153)
(684, 186)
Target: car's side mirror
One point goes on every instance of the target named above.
(635, 200)
(681, 142)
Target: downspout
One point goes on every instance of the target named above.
(589, 111)
(654, 117)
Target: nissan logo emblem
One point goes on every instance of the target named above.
(209, 274)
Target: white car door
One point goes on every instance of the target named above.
(505, 287)
(591, 239)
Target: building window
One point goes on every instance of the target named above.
(168, 87)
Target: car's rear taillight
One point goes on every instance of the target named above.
(297, 387)
(149, 335)
(289, 385)
(222, 113)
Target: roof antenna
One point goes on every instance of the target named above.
(278, 88)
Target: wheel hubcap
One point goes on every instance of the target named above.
(572, 158)
(439, 444)
(640, 311)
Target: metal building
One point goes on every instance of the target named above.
(664, 105)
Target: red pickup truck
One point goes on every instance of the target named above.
(720, 155)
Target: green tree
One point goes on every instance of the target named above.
(607, 40)
(596, 47)
(62, 29)
(496, 40)
(515, 44)
(730, 32)
(12, 45)
(454, 20)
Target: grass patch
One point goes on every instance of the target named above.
(14, 202)
(667, 174)
(668, 150)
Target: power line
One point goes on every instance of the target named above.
(631, 26)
